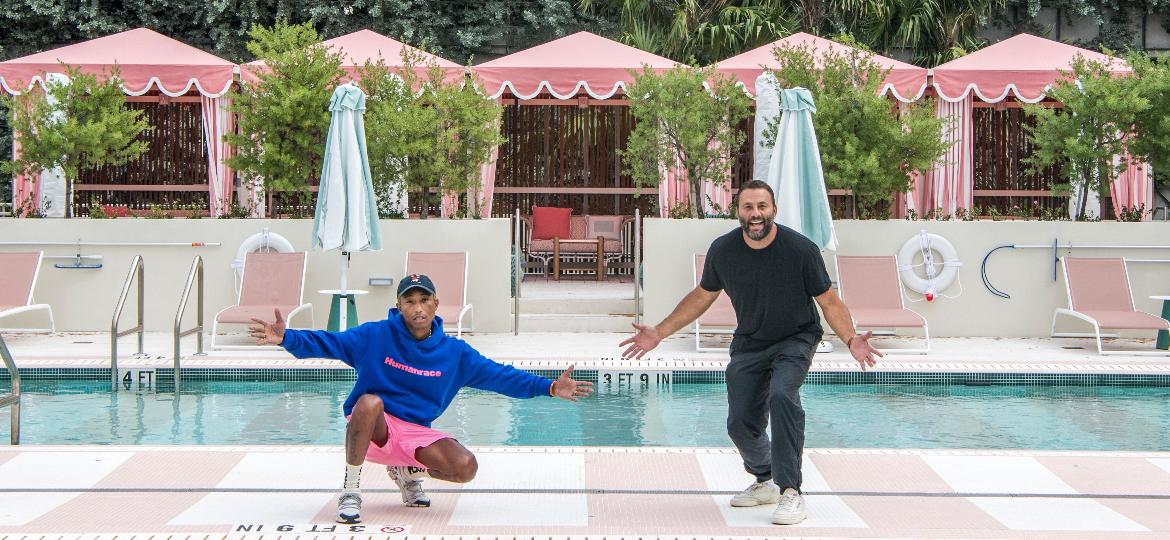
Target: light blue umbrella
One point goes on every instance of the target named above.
(347, 217)
(794, 170)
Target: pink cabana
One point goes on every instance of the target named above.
(581, 69)
(1016, 70)
(149, 63)
(905, 82)
(359, 47)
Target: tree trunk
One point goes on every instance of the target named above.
(68, 198)
(696, 198)
(426, 195)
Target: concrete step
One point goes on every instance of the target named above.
(575, 306)
(545, 322)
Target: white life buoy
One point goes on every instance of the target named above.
(263, 240)
(937, 279)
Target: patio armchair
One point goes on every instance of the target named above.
(18, 279)
(1099, 293)
(871, 288)
(719, 318)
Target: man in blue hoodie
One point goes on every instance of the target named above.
(408, 372)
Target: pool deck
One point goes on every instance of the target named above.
(288, 492)
(601, 351)
(206, 493)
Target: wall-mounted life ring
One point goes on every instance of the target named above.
(264, 240)
(940, 274)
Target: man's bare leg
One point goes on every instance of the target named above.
(448, 459)
(367, 422)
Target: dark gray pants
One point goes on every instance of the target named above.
(766, 385)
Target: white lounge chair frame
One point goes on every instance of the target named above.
(29, 306)
(288, 317)
(467, 308)
(1096, 334)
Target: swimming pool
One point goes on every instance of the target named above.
(688, 415)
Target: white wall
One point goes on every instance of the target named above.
(1026, 275)
(83, 300)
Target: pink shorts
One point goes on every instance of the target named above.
(402, 440)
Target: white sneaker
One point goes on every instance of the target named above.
(349, 507)
(409, 480)
(757, 494)
(791, 510)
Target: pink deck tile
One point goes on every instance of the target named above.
(385, 508)
(879, 472)
(1153, 514)
(1109, 475)
(661, 514)
(172, 469)
(6, 455)
(924, 515)
(114, 512)
(643, 471)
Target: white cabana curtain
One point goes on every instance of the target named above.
(217, 121)
(948, 186)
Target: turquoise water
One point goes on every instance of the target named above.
(857, 415)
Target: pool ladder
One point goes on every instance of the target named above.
(137, 270)
(12, 401)
(194, 277)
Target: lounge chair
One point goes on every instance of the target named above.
(270, 281)
(449, 273)
(18, 278)
(718, 319)
(1099, 294)
(871, 288)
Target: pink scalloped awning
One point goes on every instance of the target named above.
(145, 59)
(582, 63)
(906, 82)
(358, 47)
(1023, 65)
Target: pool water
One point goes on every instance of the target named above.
(688, 415)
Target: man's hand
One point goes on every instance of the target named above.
(568, 389)
(862, 351)
(642, 342)
(268, 333)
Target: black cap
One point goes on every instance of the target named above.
(416, 281)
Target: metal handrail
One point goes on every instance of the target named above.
(137, 269)
(11, 400)
(194, 276)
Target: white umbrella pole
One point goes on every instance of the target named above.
(343, 315)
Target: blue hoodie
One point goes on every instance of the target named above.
(415, 379)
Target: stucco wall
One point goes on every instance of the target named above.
(1024, 274)
(83, 300)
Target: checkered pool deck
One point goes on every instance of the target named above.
(216, 492)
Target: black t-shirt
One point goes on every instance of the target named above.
(771, 289)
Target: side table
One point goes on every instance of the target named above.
(1163, 336)
(337, 318)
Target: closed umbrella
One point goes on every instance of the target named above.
(794, 171)
(346, 218)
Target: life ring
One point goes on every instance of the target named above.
(263, 240)
(936, 280)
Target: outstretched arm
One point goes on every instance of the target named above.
(839, 319)
(568, 388)
(305, 343)
(688, 309)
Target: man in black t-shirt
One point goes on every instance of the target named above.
(772, 274)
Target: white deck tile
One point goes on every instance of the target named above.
(232, 508)
(499, 470)
(64, 470)
(21, 508)
(521, 509)
(289, 470)
(725, 472)
(824, 511)
(997, 474)
(1039, 514)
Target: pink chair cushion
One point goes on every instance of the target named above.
(608, 227)
(1100, 285)
(18, 273)
(245, 314)
(447, 271)
(721, 313)
(550, 222)
(1130, 320)
(578, 226)
(546, 246)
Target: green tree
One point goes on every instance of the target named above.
(703, 32)
(681, 125)
(867, 143)
(1100, 114)
(85, 124)
(283, 118)
(1152, 128)
(425, 132)
(934, 31)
